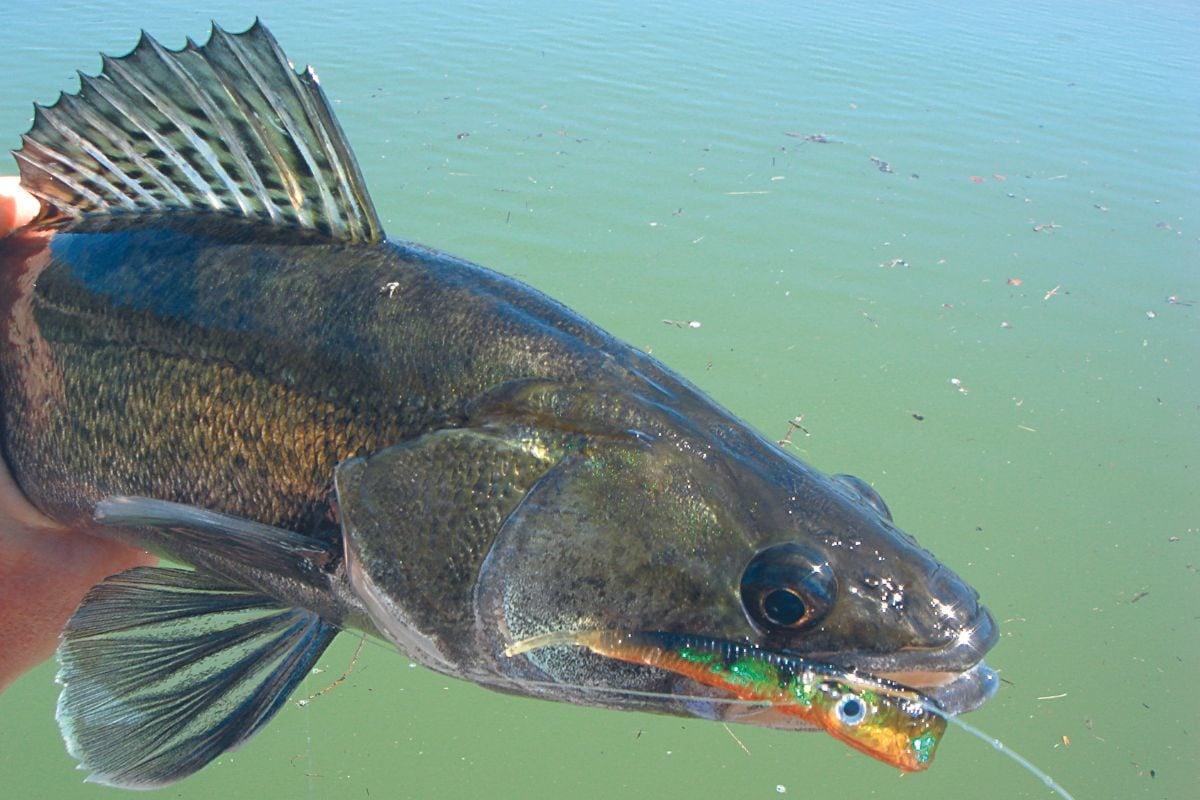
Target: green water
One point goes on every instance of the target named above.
(636, 164)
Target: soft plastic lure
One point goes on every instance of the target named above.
(885, 720)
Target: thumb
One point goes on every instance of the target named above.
(17, 206)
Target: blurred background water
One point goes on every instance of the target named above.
(998, 331)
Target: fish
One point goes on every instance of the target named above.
(211, 351)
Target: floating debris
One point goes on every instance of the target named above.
(680, 323)
(895, 262)
(883, 165)
(815, 138)
(793, 426)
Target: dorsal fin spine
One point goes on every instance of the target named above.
(167, 108)
(133, 188)
(43, 166)
(55, 119)
(217, 38)
(211, 113)
(227, 127)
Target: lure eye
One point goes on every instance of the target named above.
(788, 588)
(851, 710)
(862, 491)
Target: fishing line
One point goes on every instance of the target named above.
(1050, 783)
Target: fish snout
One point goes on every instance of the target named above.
(964, 628)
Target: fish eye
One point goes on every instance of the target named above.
(786, 588)
(784, 606)
(863, 491)
(851, 710)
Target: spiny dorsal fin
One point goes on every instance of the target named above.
(227, 127)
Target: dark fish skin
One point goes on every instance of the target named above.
(371, 434)
(233, 367)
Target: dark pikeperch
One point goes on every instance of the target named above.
(219, 357)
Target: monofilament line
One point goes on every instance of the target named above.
(1050, 783)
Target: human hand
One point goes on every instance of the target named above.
(45, 568)
(17, 206)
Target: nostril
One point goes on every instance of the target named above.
(953, 600)
(984, 632)
(966, 626)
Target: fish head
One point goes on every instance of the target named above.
(692, 523)
(639, 505)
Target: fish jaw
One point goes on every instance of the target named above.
(954, 692)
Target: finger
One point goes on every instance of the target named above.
(17, 206)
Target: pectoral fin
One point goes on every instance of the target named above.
(165, 669)
(197, 536)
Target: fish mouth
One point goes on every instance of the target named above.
(954, 675)
(952, 693)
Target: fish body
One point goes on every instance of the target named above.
(218, 356)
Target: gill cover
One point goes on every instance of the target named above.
(418, 519)
(611, 536)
